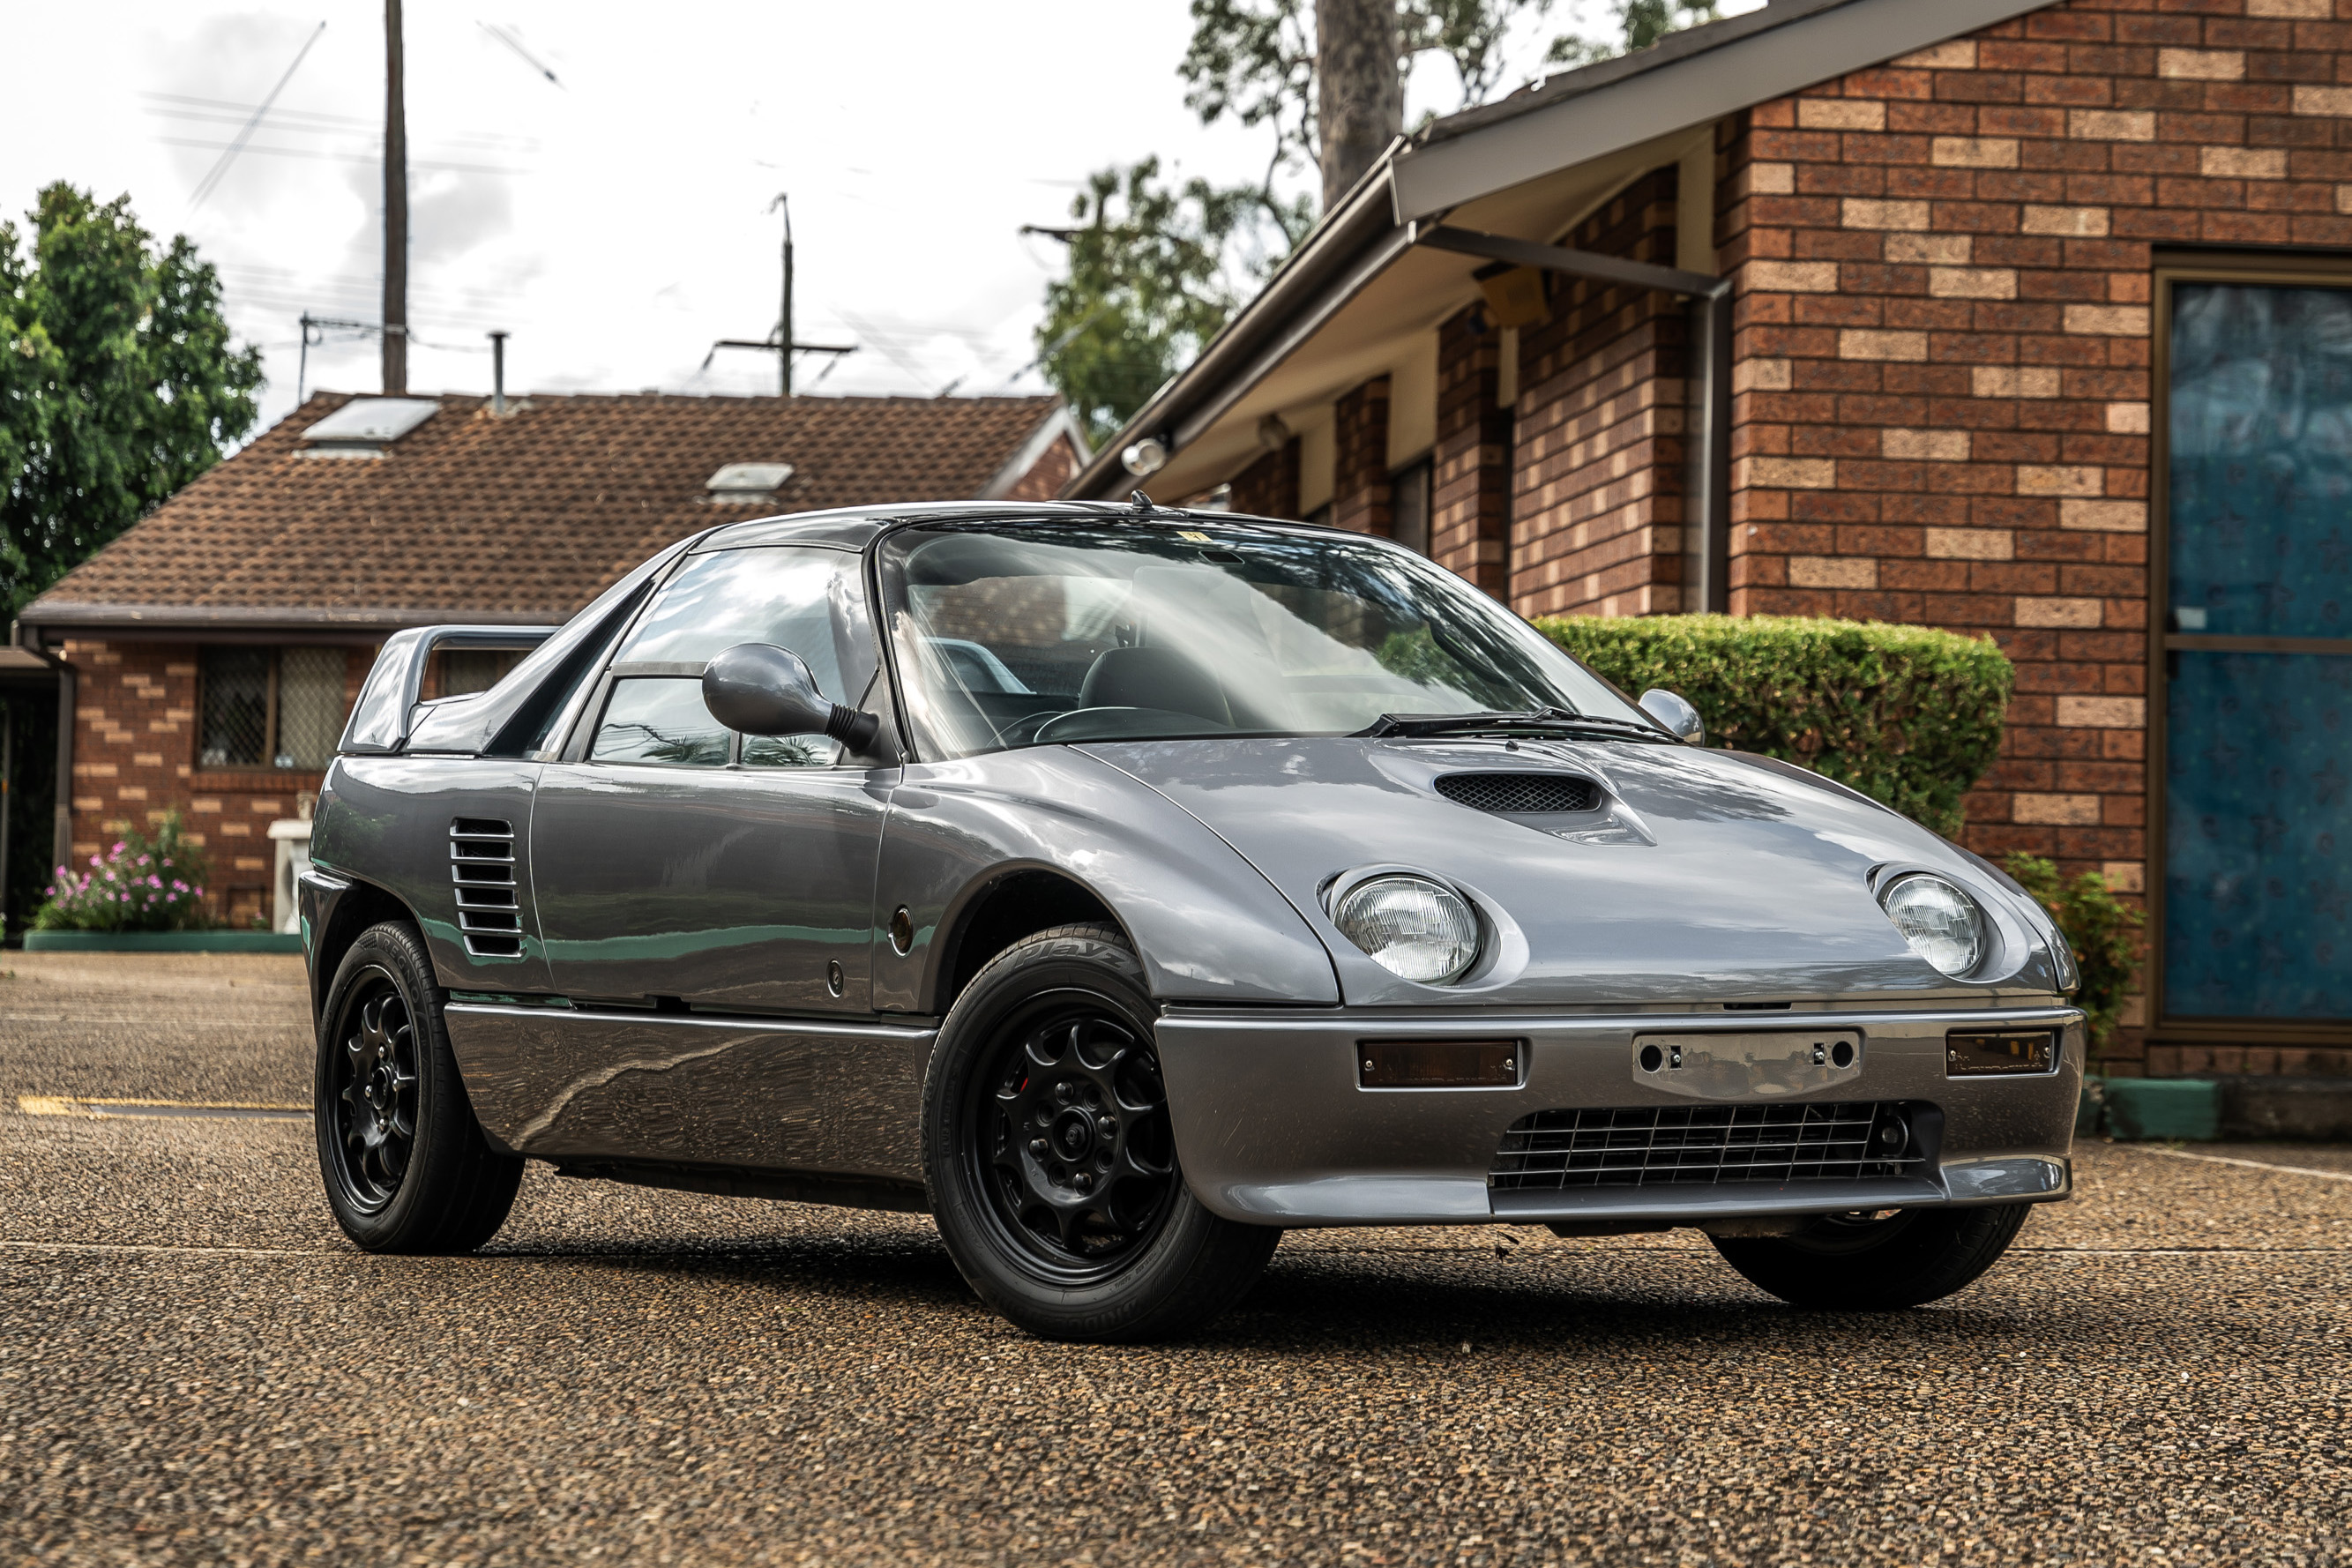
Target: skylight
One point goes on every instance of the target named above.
(365, 426)
(748, 481)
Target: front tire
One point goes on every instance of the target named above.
(407, 1166)
(1878, 1261)
(1051, 1165)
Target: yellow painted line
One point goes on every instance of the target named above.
(109, 1109)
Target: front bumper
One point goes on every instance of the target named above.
(1272, 1127)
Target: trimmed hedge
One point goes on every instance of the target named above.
(1909, 716)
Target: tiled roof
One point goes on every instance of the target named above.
(521, 518)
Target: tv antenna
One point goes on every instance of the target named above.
(780, 342)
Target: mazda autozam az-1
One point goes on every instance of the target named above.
(1124, 886)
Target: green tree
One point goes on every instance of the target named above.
(1151, 282)
(1148, 284)
(117, 382)
(1254, 60)
(1641, 23)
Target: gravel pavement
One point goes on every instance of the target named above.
(195, 1367)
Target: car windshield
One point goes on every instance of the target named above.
(1043, 633)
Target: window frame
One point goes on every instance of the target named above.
(581, 727)
(2271, 269)
(273, 689)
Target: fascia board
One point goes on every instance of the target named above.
(1331, 252)
(54, 619)
(1704, 87)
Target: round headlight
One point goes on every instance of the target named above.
(1411, 927)
(1939, 922)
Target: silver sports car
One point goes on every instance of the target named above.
(1124, 886)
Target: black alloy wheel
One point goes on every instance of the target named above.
(1050, 1156)
(376, 1090)
(406, 1164)
(1068, 1139)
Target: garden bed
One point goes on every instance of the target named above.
(163, 942)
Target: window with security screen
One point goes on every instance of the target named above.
(237, 708)
(310, 707)
(270, 708)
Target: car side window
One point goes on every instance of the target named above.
(661, 720)
(811, 601)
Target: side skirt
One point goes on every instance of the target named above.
(734, 1182)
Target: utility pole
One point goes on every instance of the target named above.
(395, 208)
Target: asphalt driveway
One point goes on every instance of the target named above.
(195, 1366)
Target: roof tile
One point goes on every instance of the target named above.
(531, 514)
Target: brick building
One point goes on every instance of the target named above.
(2029, 320)
(211, 653)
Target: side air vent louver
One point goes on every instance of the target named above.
(482, 864)
(1519, 795)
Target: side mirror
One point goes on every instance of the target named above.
(763, 689)
(1676, 714)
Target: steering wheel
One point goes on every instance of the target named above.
(1023, 731)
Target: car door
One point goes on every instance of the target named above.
(680, 865)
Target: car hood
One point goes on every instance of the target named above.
(1698, 875)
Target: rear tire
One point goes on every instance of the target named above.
(1047, 1152)
(1876, 1263)
(407, 1166)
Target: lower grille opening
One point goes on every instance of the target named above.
(1708, 1145)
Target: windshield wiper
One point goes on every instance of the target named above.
(1553, 720)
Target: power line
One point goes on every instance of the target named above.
(303, 122)
(211, 182)
(235, 147)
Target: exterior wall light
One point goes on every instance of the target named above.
(1146, 458)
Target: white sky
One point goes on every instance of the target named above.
(618, 224)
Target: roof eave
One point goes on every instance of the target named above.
(53, 621)
(1345, 233)
(1689, 78)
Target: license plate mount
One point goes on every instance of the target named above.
(1747, 1064)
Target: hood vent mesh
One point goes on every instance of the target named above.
(1519, 795)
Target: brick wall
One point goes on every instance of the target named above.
(1944, 352)
(1470, 483)
(1269, 487)
(135, 759)
(1597, 482)
(1048, 474)
(1360, 493)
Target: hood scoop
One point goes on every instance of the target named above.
(1519, 795)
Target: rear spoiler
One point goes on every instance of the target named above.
(382, 718)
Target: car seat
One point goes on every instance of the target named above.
(1154, 677)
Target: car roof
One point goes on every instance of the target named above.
(854, 528)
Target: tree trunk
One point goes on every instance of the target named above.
(1358, 90)
(395, 208)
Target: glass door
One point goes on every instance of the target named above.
(2256, 666)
